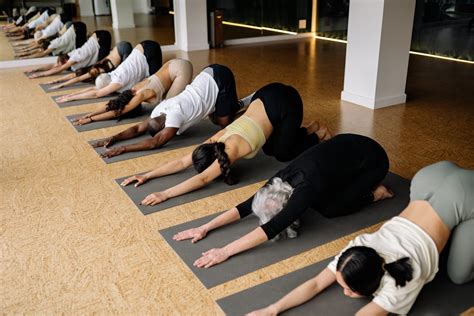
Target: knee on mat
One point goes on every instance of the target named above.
(458, 276)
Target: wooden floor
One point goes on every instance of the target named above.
(72, 242)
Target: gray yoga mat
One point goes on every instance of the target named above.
(81, 102)
(194, 135)
(439, 297)
(46, 86)
(315, 231)
(109, 123)
(248, 171)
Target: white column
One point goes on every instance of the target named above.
(122, 14)
(378, 45)
(85, 8)
(191, 24)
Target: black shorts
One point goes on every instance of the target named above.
(154, 58)
(124, 49)
(227, 103)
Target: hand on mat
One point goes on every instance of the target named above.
(267, 311)
(113, 152)
(58, 86)
(34, 75)
(140, 179)
(211, 257)
(196, 234)
(86, 119)
(103, 143)
(154, 198)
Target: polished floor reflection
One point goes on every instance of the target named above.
(73, 243)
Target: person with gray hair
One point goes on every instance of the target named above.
(336, 177)
(145, 59)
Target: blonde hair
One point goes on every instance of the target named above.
(271, 199)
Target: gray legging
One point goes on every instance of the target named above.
(450, 191)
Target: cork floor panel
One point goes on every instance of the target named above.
(72, 242)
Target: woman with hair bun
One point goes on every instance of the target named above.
(272, 122)
(395, 262)
(335, 178)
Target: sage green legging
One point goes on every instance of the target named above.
(450, 191)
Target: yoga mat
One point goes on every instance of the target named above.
(248, 171)
(46, 86)
(315, 231)
(81, 102)
(109, 123)
(65, 72)
(439, 297)
(194, 135)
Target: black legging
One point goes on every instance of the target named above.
(124, 49)
(227, 103)
(335, 178)
(285, 111)
(154, 58)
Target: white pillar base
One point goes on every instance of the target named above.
(378, 46)
(372, 103)
(122, 14)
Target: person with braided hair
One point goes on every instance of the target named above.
(169, 81)
(335, 178)
(396, 261)
(271, 122)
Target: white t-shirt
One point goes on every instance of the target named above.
(195, 103)
(131, 71)
(86, 55)
(53, 28)
(65, 43)
(40, 20)
(396, 239)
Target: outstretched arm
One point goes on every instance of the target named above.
(102, 114)
(200, 232)
(42, 68)
(70, 79)
(62, 79)
(300, 295)
(156, 141)
(129, 133)
(168, 168)
(198, 181)
(54, 70)
(219, 255)
(91, 93)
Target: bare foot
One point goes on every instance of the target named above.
(382, 192)
(323, 133)
(312, 127)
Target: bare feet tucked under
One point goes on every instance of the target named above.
(323, 133)
(382, 192)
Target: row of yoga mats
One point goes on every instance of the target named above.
(440, 297)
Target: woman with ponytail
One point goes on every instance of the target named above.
(395, 262)
(347, 168)
(272, 122)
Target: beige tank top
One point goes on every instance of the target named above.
(154, 83)
(245, 127)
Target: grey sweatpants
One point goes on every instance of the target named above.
(450, 191)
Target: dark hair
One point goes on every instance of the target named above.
(82, 71)
(105, 64)
(205, 154)
(45, 44)
(119, 102)
(63, 58)
(362, 268)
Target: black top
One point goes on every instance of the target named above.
(335, 177)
